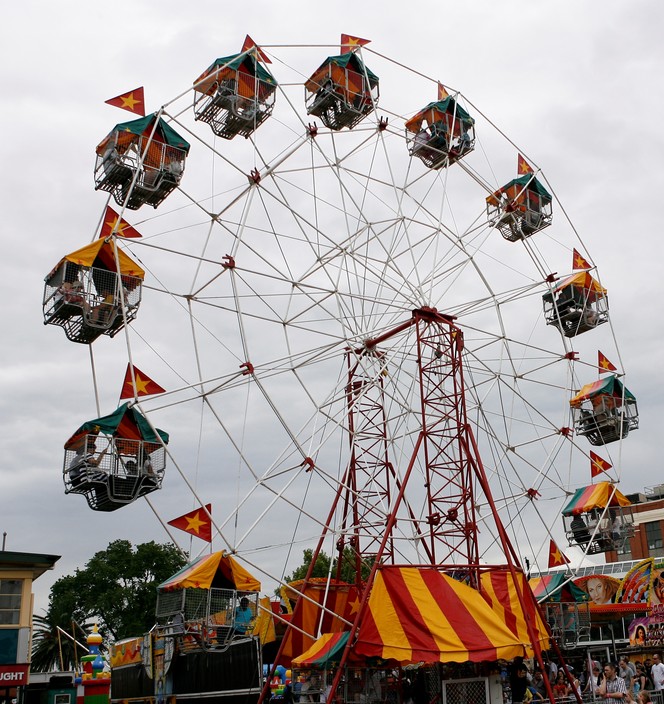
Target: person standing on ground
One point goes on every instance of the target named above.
(518, 683)
(657, 672)
(613, 687)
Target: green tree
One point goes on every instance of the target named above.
(116, 589)
(322, 566)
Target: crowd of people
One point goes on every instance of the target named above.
(628, 681)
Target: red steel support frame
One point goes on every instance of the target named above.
(444, 449)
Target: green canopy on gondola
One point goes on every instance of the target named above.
(599, 495)
(221, 68)
(144, 126)
(349, 61)
(608, 386)
(448, 106)
(527, 182)
(125, 422)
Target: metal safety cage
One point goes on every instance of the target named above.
(113, 472)
(432, 145)
(231, 109)
(599, 531)
(604, 419)
(342, 104)
(569, 622)
(575, 310)
(145, 171)
(88, 302)
(206, 618)
(520, 218)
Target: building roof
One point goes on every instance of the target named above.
(36, 562)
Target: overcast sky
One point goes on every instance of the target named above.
(574, 84)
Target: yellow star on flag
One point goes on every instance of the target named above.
(604, 364)
(129, 102)
(194, 523)
(132, 100)
(144, 385)
(348, 43)
(556, 557)
(141, 385)
(597, 464)
(578, 261)
(114, 224)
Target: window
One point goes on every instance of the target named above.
(10, 601)
(654, 535)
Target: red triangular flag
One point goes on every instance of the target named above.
(348, 43)
(604, 364)
(249, 43)
(114, 224)
(556, 558)
(144, 385)
(133, 101)
(442, 93)
(579, 262)
(597, 465)
(522, 166)
(196, 523)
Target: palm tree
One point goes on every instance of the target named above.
(52, 649)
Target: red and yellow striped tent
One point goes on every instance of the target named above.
(502, 594)
(422, 615)
(209, 571)
(339, 598)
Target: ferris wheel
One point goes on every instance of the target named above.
(332, 230)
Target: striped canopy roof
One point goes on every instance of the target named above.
(324, 652)
(594, 496)
(499, 590)
(207, 571)
(329, 606)
(101, 254)
(422, 615)
(556, 587)
(608, 386)
(582, 279)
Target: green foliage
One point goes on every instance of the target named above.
(51, 648)
(116, 589)
(322, 567)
